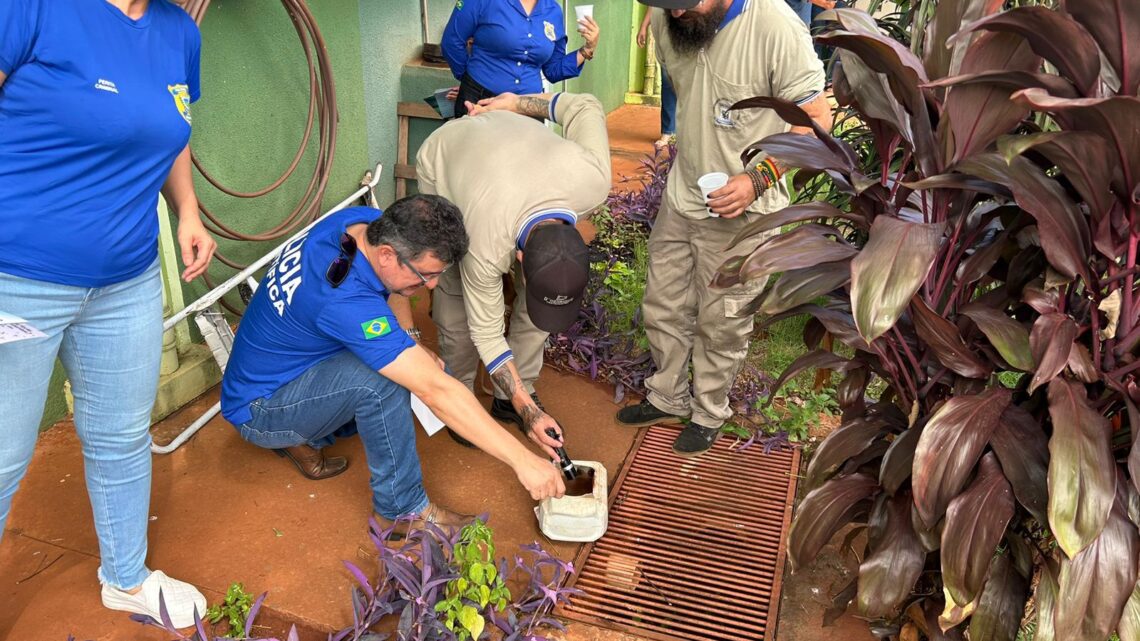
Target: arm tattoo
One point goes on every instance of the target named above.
(530, 415)
(505, 382)
(534, 107)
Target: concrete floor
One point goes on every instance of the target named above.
(225, 511)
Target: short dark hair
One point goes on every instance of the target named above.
(418, 224)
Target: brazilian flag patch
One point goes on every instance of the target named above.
(376, 327)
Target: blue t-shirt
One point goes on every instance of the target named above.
(95, 109)
(512, 50)
(297, 319)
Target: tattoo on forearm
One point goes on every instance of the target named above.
(530, 415)
(534, 107)
(505, 382)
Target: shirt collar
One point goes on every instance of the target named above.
(565, 215)
(737, 8)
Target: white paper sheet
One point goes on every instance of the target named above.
(13, 328)
(428, 419)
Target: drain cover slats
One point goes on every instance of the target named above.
(695, 546)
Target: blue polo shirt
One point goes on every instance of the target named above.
(512, 50)
(297, 319)
(94, 111)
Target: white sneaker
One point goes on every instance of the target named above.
(181, 599)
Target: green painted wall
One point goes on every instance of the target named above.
(607, 75)
(251, 118)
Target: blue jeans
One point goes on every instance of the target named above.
(110, 341)
(668, 106)
(338, 397)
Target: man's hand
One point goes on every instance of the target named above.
(590, 32)
(537, 422)
(502, 102)
(643, 34)
(731, 200)
(197, 246)
(541, 478)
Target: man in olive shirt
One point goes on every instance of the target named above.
(521, 188)
(717, 52)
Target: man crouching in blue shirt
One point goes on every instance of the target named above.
(319, 354)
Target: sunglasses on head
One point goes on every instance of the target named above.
(338, 268)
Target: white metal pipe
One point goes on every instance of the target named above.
(185, 435)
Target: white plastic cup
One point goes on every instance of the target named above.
(446, 107)
(710, 183)
(584, 11)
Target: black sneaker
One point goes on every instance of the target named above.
(505, 411)
(695, 439)
(645, 414)
(459, 439)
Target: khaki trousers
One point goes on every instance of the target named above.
(689, 323)
(455, 345)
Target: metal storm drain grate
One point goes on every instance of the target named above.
(695, 546)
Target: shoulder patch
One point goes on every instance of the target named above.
(376, 327)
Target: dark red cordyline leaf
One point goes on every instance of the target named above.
(889, 270)
(1045, 601)
(1001, 605)
(793, 214)
(949, 447)
(978, 113)
(1113, 119)
(1116, 26)
(975, 523)
(849, 440)
(805, 152)
(838, 322)
(1098, 581)
(1064, 231)
(899, 460)
(814, 359)
(1129, 627)
(804, 246)
(801, 286)
(1054, 36)
(942, 337)
(888, 574)
(1082, 157)
(823, 511)
(1051, 341)
(794, 115)
(1004, 333)
(942, 60)
(1082, 473)
(1023, 451)
(1012, 81)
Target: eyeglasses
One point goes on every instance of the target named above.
(424, 278)
(339, 267)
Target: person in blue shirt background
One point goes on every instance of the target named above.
(515, 43)
(319, 355)
(94, 121)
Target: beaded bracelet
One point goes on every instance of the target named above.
(768, 171)
(758, 185)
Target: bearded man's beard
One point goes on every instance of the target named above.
(692, 31)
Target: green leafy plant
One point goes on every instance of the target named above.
(234, 610)
(985, 272)
(477, 587)
(799, 409)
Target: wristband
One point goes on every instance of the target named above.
(414, 333)
(768, 171)
(758, 185)
(587, 54)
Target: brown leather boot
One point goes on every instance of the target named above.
(440, 516)
(312, 463)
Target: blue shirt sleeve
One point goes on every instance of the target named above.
(460, 27)
(193, 63)
(366, 326)
(19, 27)
(560, 65)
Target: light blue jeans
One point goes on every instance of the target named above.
(110, 342)
(339, 397)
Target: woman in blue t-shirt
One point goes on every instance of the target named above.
(514, 43)
(94, 121)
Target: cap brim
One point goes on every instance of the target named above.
(553, 319)
(671, 4)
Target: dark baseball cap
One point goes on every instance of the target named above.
(555, 265)
(671, 4)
